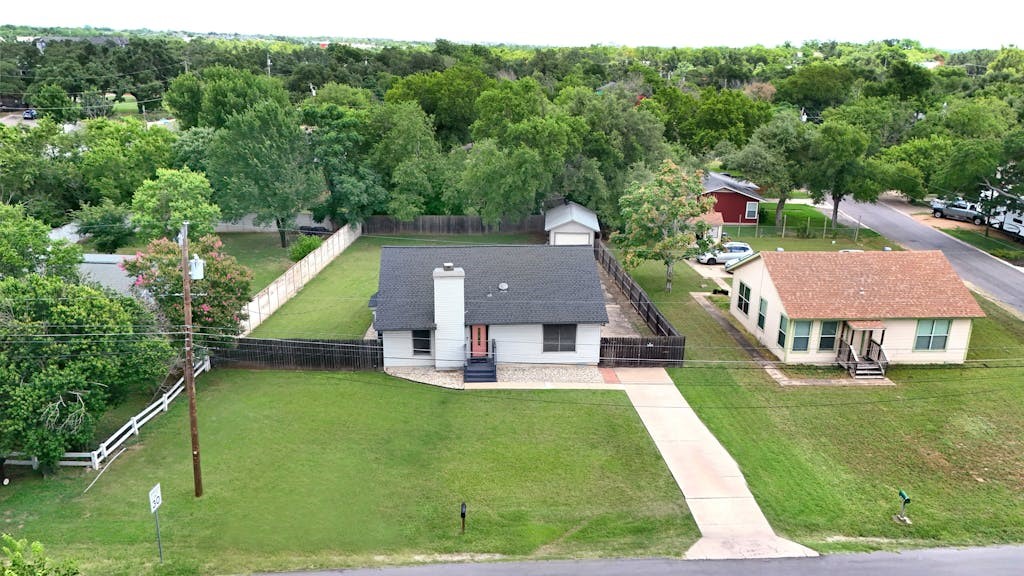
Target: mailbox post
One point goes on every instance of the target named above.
(902, 516)
(463, 514)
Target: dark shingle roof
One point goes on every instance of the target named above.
(714, 181)
(546, 284)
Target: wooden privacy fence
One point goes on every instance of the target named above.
(653, 317)
(106, 448)
(643, 351)
(302, 354)
(287, 285)
(449, 224)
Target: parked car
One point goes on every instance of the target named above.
(30, 114)
(726, 253)
(958, 209)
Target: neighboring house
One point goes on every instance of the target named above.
(448, 306)
(862, 310)
(571, 224)
(737, 200)
(714, 221)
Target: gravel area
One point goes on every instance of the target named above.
(507, 374)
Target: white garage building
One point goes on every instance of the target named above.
(571, 224)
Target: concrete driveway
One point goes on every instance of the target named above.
(989, 275)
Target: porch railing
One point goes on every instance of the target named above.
(876, 354)
(491, 355)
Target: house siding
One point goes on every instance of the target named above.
(398, 349)
(898, 344)
(733, 206)
(571, 228)
(524, 343)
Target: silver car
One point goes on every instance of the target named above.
(726, 253)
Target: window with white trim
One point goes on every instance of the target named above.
(421, 342)
(559, 337)
(762, 313)
(743, 302)
(751, 213)
(827, 340)
(783, 326)
(801, 335)
(932, 334)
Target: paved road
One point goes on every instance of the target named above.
(993, 277)
(997, 561)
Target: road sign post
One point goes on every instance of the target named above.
(155, 500)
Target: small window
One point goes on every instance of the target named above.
(801, 335)
(932, 334)
(751, 211)
(421, 342)
(559, 337)
(744, 299)
(829, 329)
(783, 326)
(762, 312)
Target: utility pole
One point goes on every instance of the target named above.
(190, 377)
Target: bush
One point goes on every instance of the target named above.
(106, 224)
(23, 559)
(1010, 255)
(303, 246)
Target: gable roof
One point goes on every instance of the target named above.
(867, 285)
(570, 212)
(546, 285)
(715, 181)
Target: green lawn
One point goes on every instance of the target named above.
(996, 243)
(261, 252)
(334, 304)
(806, 228)
(314, 470)
(826, 463)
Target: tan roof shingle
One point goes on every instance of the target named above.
(869, 285)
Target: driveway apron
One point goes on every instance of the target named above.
(731, 523)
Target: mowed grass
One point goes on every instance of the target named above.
(309, 470)
(806, 228)
(335, 303)
(996, 243)
(261, 252)
(826, 463)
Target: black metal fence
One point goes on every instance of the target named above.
(450, 224)
(301, 354)
(667, 351)
(653, 317)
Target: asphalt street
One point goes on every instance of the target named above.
(995, 561)
(990, 275)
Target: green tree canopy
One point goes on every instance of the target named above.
(51, 101)
(117, 156)
(661, 219)
(69, 352)
(212, 96)
(838, 166)
(261, 163)
(160, 206)
(26, 248)
(774, 158)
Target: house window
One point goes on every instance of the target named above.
(559, 337)
(421, 342)
(783, 325)
(801, 335)
(932, 334)
(751, 211)
(744, 299)
(762, 312)
(829, 329)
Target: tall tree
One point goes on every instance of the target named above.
(774, 158)
(261, 163)
(838, 166)
(160, 206)
(53, 102)
(212, 96)
(117, 156)
(26, 248)
(661, 219)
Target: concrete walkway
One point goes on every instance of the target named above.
(730, 521)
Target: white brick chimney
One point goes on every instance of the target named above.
(449, 317)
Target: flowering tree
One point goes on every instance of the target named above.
(218, 300)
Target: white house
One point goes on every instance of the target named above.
(455, 307)
(862, 310)
(571, 224)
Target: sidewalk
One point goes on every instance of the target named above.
(730, 521)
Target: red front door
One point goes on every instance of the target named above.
(478, 340)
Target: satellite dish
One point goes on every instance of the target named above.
(503, 286)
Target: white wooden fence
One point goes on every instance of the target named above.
(288, 284)
(106, 448)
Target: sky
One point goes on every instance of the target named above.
(682, 23)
